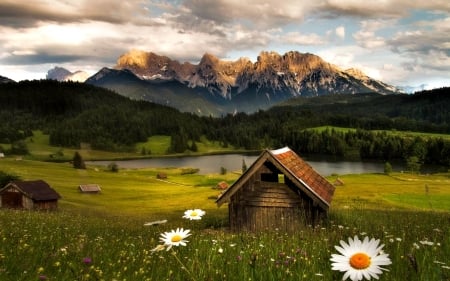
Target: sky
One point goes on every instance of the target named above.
(405, 43)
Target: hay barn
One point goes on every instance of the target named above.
(31, 195)
(278, 191)
(89, 188)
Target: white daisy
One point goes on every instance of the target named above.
(360, 259)
(175, 238)
(195, 214)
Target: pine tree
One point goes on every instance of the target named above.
(78, 162)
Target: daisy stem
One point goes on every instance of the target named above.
(182, 265)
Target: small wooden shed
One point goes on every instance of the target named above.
(89, 188)
(161, 176)
(31, 195)
(222, 185)
(278, 191)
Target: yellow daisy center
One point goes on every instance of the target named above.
(360, 261)
(194, 214)
(176, 238)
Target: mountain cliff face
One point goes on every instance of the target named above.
(293, 73)
(240, 85)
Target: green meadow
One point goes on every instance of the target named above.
(155, 146)
(407, 134)
(103, 236)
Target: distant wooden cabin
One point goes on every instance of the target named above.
(278, 191)
(89, 188)
(31, 195)
(161, 176)
(222, 185)
(338, 182)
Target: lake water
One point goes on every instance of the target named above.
(233, 162)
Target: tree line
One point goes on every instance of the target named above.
(75, 113)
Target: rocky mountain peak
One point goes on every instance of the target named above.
(209, 59)
(292, 73)
(58, 73)
(146, 65)
(62, 74)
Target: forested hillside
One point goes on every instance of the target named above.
(74, 113)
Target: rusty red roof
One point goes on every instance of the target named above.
(305, 173)
(300, 172)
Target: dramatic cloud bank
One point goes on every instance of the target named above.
(402, 42)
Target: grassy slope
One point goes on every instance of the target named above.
(138, 192)
(40, 149)
(393, 132)
(395, 191)
(134, 192)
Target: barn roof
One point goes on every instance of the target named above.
(296, 169)
(89, 188)
(37, 190)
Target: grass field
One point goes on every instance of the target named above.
(103, 237)
(393, 132)
(155, 146)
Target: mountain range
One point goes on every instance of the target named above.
(217, 87)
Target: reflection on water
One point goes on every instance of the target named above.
(233, 162)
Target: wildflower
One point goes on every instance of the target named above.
(175, 238)
(87, 260)
(42, 277)
(360, 259)
(195, 214)
(220, 250)
(426, 242)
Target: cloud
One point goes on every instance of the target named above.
(257, 13)
(367, 36)
(340, 32)
(92, 34)
(425, 47)
(22, 14)
(297, 38)
(378, 9)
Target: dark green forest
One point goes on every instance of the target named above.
(74, 113)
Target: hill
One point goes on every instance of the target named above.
(76, 114)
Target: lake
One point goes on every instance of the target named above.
(233, 162)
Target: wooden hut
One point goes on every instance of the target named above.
(278, 191)
(89, 188)
(32, 195)
(338, 182)
(222, 185)
(161, 176)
